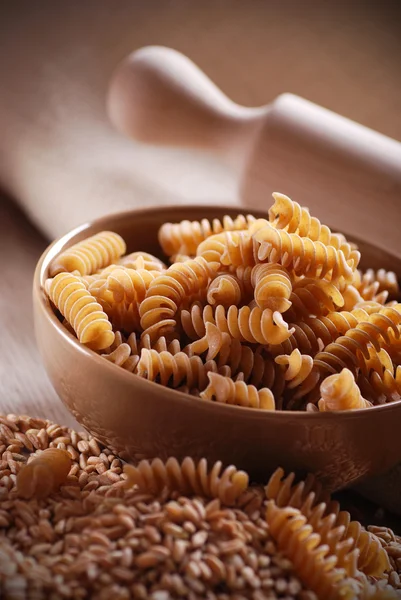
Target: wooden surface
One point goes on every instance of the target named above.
(63, 163)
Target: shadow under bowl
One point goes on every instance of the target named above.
(141, 419)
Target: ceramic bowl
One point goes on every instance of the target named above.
(138, 418)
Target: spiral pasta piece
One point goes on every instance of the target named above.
(312, 562)
(376, 285)
(312, 333)
(346, 350)
(84, 314)
(273, 287)
(255, 369)
(189, 478)
(185, 237)
(299, 372)
(225, 289)
(225, 390)
(385, 385)
(124, 284)
(289, 215)
(142, 260)
(353, 546)
(231, 248)
(176, 369)
(340, 392)
(123, 357)
(302, 255)
(44, 474)
(91, 254)
(313, 297)
(166, 292)
(244, 324)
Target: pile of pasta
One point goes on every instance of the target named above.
(268, 313)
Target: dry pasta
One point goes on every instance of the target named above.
(354, 547)
(185, 237)
(340, 392)
(188, 477)
(226, 290)
(44, 474)
(316, 567)
(225, 390)
(247, 304)
(90, 255)
(79, 307)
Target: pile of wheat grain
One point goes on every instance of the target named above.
(96, 539)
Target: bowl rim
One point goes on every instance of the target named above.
(103, 223)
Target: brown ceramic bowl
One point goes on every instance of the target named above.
(138, 418)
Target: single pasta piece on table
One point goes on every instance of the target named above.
(44, 474)
(188, 478)
(88, 256)
(227, 391)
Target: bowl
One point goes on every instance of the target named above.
(139, 419)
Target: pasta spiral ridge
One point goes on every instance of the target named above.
(376, 285)
(313, 297)
(291, 216)
(123, 284)
(341, 392)
(273, 287)
(177, 368)
(83, 313)
(142, 260)
(189, 478)
(167, 291)
(302, 255)
(384, 386)
(226, 391)
(345, 351)
(255, 369)
(185, 237)
(44, 474)
(346, 536)
(244, 324)
(313, 563)
(231, 248)
(226, 290)
(310, 333)
(122, 357)
(90, 255)
(299, 372)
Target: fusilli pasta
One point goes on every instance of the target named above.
(188, 478)
(185, 237)
(90, 255)
(79, 307)
(276, 303)
(225, 390)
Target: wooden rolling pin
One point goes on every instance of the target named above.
(348, 175)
